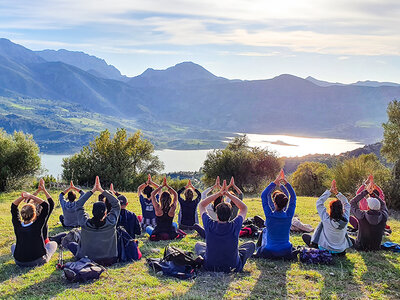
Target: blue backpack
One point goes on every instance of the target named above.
(127, 247)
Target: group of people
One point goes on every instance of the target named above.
(222, 214)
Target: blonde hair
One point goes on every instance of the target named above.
(28, 212)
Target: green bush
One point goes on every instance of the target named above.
(19, 160)
(48, 180)
(311, 178)
(122, 160)
(251, 166)
(351, 173)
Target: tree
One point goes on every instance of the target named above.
(123, 160)
(311, 178)
(351, 173)
(19, 159)
(251, 166)
(391, 150)
(391, 135)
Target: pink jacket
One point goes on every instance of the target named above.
(363, 203)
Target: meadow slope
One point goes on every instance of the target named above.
(357, 276)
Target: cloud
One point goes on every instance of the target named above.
(367, 27)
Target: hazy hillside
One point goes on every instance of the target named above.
(291, 163)
(188, 96)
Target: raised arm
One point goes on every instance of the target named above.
(172, 209)
(204, 203)
(267, 200)
(113, 215)
(292, 200)
(321, 207)
(180, 191)
(157, 206)
(346, 205)
(239, 203)
(354, 204)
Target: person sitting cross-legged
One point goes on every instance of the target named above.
(221, 252)
(148, 217)
(187, 217)
(165, 209)
(98, 235)
(331, 233)
(279, 211)
(371, 223)
(30, 249)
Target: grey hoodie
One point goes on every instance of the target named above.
(331, 234)
(371, 223)
(98, 243)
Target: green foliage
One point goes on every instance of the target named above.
(251, 166)
(124, 160)
(392, 188)
(48, 180)
(311, 178)
(391, 135)
(351, 173)
(175, 183)
(19, 159)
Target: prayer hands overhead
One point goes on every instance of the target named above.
(334, 189)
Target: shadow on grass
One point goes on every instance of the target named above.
(272, 282)
(8, 268)
(337, 279)
(47, 288)
(382, 273)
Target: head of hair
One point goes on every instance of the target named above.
(28, 212)
(336, 210)
(216, 202)
(165, 201)
(280, 200)
(71, 196)
(189, 195)
(99, 211)
(101, 198)
(224, 211)
(147, 191)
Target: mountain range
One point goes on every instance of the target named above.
(186, 96)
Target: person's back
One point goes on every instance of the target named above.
(331, 233)
(221, 251)
(222, 241)
(130, 222)
(371, 223)
(275, 239)
(69, 218)
(98, 234)
(188, 207)
(30, 243)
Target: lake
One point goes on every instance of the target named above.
(192, 160)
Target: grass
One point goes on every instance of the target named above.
(357, 276)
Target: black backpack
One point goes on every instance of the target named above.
(127, 247)
(176, 263)
(82, 270)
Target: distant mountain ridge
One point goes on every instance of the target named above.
(358, 83)
(86, 62)
(189, 96)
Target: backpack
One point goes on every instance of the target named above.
(176, 263)
(180, 257)
(74, 235)
(82, 270)
(315, 256)
(127, 247)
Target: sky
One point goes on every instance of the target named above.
(338, 41)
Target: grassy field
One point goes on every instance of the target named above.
(357, 276)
